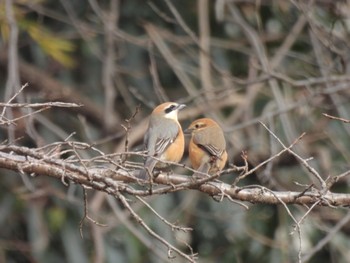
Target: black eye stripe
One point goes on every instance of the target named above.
(170, 108)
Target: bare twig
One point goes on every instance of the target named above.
(13, 80)
(127, 129)
(12, 121)
(171, 59)
(158, 89)
(122, 216)
(336, 118)
(267, 160)
(204, 42)
(86, 215)
(171, 225)
(302, 160)
(139, 220)
(110, 22)
(324, 241)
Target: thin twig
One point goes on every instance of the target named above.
(173, 226)
(86, 215)
(324, 241)
(336, 118)
(140, 221)
(122, 216)
(268, 160)
(302, 160)
(127, 129)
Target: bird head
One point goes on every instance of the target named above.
(168, 110)
(200, 124)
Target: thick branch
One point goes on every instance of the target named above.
(25, 160)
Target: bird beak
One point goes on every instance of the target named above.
(181, 106)
(188, 131)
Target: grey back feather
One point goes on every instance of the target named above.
(161, 133)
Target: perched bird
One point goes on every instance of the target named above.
(207, 147)
(164, 138)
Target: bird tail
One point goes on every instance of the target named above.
(148, 169)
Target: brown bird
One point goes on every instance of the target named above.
(207, 147)
(164, 138)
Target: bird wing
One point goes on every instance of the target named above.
(211, 140)
(212, 150)
(162, 144)
(160, 135)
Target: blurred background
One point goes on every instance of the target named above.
(283, 63)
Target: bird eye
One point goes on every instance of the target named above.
(197, 126)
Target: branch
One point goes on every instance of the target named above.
(336, 118)
(120, 180)
(53, 90)
(41, 105)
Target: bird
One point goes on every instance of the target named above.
(164, 138)
(207, 147)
